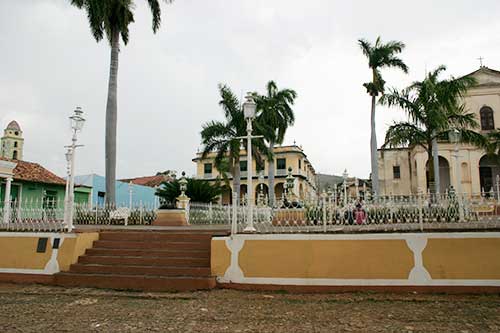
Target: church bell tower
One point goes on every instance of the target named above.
(12, 142)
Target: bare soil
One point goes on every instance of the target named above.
(36, 308)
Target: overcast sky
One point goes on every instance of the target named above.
(50, 63)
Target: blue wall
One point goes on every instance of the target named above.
(140, 194)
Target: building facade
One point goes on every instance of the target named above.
(285, 157)
(403, 171)
(126, 193)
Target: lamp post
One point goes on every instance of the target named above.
(66, 193)
(344, 175)
(76, 121)
(249, 109)
(455, 136)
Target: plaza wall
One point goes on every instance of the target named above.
(21, 262)
(313, 262)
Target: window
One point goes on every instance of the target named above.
(207, 168)
(396, 172)
(16, 133)
(243, 166)
(14, 155)
(300, 164)
(487, 120)
(15, 144)
(281, 163)
(100, 198)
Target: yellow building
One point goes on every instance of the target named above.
(284, 157)
(403, 171)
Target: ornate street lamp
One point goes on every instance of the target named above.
(77, 121)
(249, 109)
(455, 137)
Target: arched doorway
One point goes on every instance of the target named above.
(243, 193)
(279, 190)
(489, 169)
(444, 174)
(227, 196)
(262, 190)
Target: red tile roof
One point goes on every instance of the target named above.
(150, 181)
(34, 172)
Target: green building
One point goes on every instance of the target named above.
(31, 185)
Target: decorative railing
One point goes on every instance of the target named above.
(329, 214)
(48, 215)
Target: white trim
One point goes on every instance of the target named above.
(360, 282)
(37, 234)
(378, 236)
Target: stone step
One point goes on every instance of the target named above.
(147, 253)
(152, 245)
(134, 282)
(145, 261)
(155, 236)
(140, 270)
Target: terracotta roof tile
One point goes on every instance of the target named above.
(150, 181)
(34, 172)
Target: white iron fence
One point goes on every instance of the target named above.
(48, 215)
(330, 214)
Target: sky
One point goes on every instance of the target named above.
(167, 88)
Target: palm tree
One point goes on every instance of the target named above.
(112, 18)
(224, 138)
(275, 115)
(379, 56)
(433, 107)
(198, 190)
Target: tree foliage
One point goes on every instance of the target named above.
(198, 190)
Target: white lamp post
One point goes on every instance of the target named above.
(455, 136)
(76, 121)
(344, 175)
(249, 109)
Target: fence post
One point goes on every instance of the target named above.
(323, 199)
(420, 211)
(140, 212)
(210, 213)
(234, 220)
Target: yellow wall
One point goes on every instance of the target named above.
(19, 251)
(342, 259)
(220, 257)
(72, 248)
(454, 259)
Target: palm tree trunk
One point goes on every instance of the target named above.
(270, 175)
(111, 120)
(236, 180)
(435, 162)
(373, 147)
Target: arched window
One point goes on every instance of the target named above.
(14, 156)
(487, 120)
(15, 144)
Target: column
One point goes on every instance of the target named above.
(6, 203)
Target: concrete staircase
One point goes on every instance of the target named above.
(144, 260)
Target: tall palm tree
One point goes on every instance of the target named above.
(224, 138)
(379, 56)
(433, 107)
(275, 115)
(112, 18)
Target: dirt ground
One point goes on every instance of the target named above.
(37, 308)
